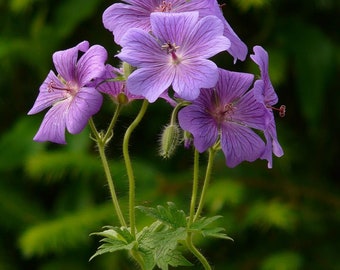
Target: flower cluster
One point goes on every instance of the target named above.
(167, 45)
(166, 51)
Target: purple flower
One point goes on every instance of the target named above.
(71, 100)
(227, 113)
(265, 93)
(174, 54)
(136, 14)
(113, 84)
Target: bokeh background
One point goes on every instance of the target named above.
(52, 196)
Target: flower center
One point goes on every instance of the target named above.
(165, 6)
(224, 113)
(69, 88)
(171, 49)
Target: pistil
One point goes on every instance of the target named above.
(164, 7)
(171, 49)
(52, 86)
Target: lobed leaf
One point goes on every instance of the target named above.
(158, 244)
(115, 239)
(200, 226)
(170, 216)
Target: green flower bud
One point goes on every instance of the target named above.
(170, 139)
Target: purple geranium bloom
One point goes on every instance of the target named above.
(265, 93)
(113, 84)
(229, 113)
(175, 53)
(71, 100)
(136, 14)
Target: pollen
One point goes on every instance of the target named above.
(165, 6)
(171, 49)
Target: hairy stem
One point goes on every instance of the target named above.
(189, 241)
(196, 252)
(194, 188)
(128, 166)
(101, 147)
(208, 171)
(109, 132)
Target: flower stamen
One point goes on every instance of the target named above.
(52, 86)
(281, 110)
(164, 7)
(171, 49)
(224, 113)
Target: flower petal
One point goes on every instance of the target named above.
(232, 85)
(237, 48)
(48, 97)
(52, 127)
(150, 82)
(272, 144)
(239, 144)
(194, 119)
(192, 75)
(86, 103)
(91, 64)
(250, 112)
(119, 15)
(206, 39)
(173, 27)
(261, 59)
(65, 61)
(141, 49)
(106, 83)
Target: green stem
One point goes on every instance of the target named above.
(194, 188)
(101, 147)
(138, 258)
(175, 112)
(189, 241)
(109, 132)
(196, 252)
(128, 166)
(208, 171)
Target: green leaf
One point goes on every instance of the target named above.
(216, 233)
(115, 239)
(158, 245)
(204, 222)
(170, 216)
(200, 226)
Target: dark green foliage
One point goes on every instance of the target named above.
(52, 197)
(169, 216)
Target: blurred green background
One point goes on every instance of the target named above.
(52, 197)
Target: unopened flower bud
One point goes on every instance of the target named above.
(169, 141)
